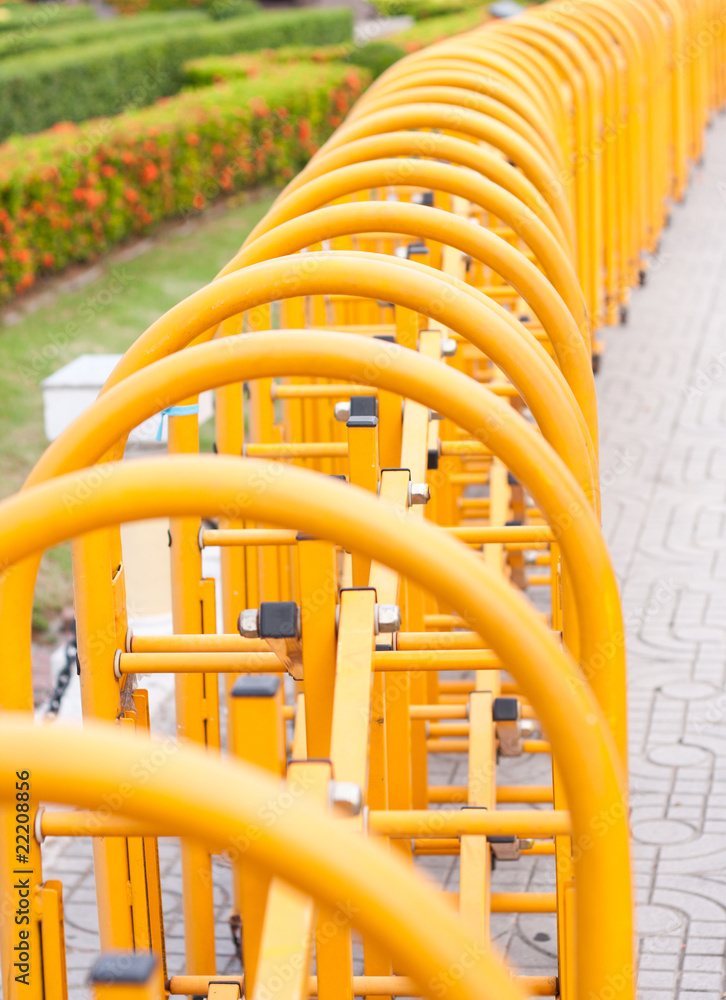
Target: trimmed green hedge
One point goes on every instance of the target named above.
(106, 78)
(421, 10)
(16, 43)
(375, 56)
(34, 16)
(71, 193)
(247, 65)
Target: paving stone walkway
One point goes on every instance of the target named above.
(662, 391)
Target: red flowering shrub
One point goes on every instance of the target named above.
(69, 194)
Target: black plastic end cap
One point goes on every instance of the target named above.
(433, 459)
(505, 710)
(124, 967)
(256, 686)
(278, 620)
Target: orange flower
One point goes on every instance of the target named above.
(149, 173)
(192, 139)
(131, 195)
(198, 200)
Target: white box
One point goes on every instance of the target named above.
(72, 389)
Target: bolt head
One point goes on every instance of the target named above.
(249, 623)
(342, 411)
(448, 347)
(345, 797)
(418, 493)
(388, 617)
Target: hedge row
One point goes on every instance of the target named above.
(41, 15)
(374, 56)
(71, 193)
(422, 9)
(15, 43)
(106, 78)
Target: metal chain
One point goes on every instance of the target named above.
(64, 676)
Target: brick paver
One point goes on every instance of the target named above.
(662, 392)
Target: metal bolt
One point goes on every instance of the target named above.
(388, 618)
(448, 347)
(249, 623)
(346, 797)
(418, 493)
(342, 411)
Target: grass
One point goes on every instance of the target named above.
(105, 316)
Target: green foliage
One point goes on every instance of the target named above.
(40, 89)
(33, 17)
(72, 192)
(435, 29)
(423, 9)
(220, 10)
(15, 43)
(376, 56)
(217, 69)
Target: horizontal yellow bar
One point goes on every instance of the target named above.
(443, 745)
(312, 449)
(454, 448)
(248, 536)
(438, 823)
(201, 662)
(331, 391)
(533, 986)
(505, 793)
(509, 533)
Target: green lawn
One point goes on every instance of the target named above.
(105, 316)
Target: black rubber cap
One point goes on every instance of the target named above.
(505, 710)
(433, 459)
(256, 686)
(278, 620)
(132, 967)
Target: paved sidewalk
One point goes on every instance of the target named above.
(662, 392)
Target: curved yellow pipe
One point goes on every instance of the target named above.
(479, 190)
(332, 355)
(324, 508)
(468, 80)
(436, 146)
(196, 794)
(310, 228)
(471, 123)
(461, 98)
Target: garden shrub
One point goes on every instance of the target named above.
(39, 89)
(70, 193)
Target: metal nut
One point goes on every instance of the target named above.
(342, 411)
(418, 493)
(448, 347)
(249, 623)
(346, 797)
(388, 618)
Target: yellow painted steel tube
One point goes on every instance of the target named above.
(537, 170)
(378, 276)
(357, 177)
(304, 845)
(513, 98)
(461, 98)
(186, 485)
(417, 377)
(434, 145)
